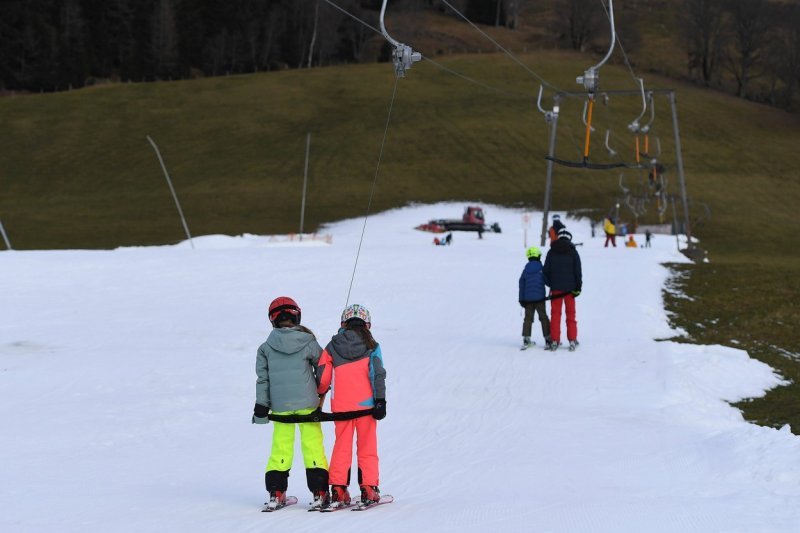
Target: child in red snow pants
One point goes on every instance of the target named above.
(367, 451)
(555, 317)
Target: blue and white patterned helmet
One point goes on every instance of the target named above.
(356, 311)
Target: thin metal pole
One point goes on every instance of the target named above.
(681, 178)
(172, 189)
(548, 185)
(675, 224)
(305, 181)
(5, 237)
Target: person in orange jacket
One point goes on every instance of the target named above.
(353, 363)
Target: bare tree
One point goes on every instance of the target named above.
(750, 32)
(164, 43)
(701, 23)
(788, 52)
(579, 21)
(512, 13)
(71, 53)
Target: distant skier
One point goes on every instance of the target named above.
(557, 226)
(532, 297)
(611, 232)
(562, 273)
(631, 243)
(647, 236)
(286, 365)
(445, 241)
(353, 362)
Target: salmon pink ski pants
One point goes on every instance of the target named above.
(365, 429)
(555, 317)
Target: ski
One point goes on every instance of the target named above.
(333, 508)
(386, 498)
(290, 500)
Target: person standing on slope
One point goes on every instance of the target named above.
(557, 226)
(353, 363)
(611, 232)
(562, 273)
(286, 365)
(532, 297)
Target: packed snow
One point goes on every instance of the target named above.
(127, 381)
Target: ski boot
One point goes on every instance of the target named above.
(277, 499)
(573, 344)
(321, 500)
(340, 497)
(552, 346)
(370, 494)
(526, 343)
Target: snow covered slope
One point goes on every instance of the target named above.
(127, 385)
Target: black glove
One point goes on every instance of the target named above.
(379, 411)
(260, 413)
(576, 292)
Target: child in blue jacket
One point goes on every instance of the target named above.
(532, 297)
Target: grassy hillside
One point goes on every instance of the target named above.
(77, 171)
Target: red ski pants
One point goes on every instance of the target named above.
(610, 237)
(365, 429)
(555, 317)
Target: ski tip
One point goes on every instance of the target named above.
(385, 498)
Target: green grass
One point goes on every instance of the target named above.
(76, 170)
(750, 306)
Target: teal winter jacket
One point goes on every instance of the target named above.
(286, 366)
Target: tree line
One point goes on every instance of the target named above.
(57, 44)
(750, 47)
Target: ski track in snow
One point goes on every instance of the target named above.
(127, 379)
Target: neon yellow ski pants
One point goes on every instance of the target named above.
(282, 454)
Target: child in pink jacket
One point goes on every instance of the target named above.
(352, 361)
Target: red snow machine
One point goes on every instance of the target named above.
(473, 220)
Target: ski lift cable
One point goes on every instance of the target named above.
(428, 59)
(474, 81)
(372, 189)
(501, 47)
(343, 10)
